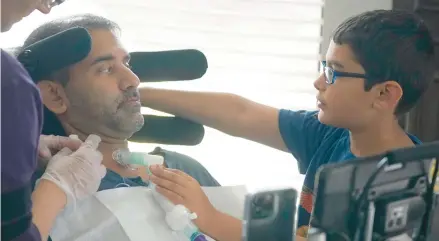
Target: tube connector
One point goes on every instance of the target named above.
(125, 157)
(179, 218)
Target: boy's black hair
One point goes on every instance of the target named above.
(52, 126)
(391, 45)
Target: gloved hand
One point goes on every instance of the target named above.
(50, 145)
(77, 173)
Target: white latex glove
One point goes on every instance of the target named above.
(50, 145)
(77, 173)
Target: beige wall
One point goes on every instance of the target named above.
(336, 11)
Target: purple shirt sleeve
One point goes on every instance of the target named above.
(32, 234)
(21, 127)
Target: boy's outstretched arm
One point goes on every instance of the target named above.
(229, 113)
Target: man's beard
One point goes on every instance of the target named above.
(127, 121)
(130, 114)
(92, 116)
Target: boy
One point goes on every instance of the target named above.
(377, 66)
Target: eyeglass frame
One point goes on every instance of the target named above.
(336, 74)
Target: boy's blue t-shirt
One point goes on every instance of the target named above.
(313, 144)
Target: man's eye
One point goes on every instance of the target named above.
(105, 70)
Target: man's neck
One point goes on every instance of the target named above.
(107, 146)
(379, 137)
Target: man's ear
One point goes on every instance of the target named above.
(54, 97)
(388, 95)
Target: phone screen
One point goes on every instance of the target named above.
(270, 215)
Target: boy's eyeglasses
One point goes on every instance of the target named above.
(331, 74)
(52, 3)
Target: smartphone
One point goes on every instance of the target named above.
(269, 215)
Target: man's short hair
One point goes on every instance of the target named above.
(391, 45)
(87, 21)
(52, 125)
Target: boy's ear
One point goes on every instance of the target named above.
(388, 95)
(53, 95)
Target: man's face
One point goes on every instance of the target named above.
(345, 103)
(14, 10)
(102, 95)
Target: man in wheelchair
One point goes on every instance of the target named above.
(99, 95)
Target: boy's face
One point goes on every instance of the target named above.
(345, 103)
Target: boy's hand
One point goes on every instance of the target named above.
(180, 188)
(300, 238)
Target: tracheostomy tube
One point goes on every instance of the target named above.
(178, 217)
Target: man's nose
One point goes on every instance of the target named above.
(320, 83)
(129, 79)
